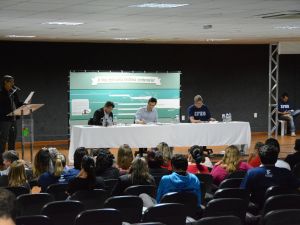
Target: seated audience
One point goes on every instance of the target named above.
(155, 161)
(293, 159)
(230, 163)
(86, 179)
(167, 153)
(258, 180)
(254, 159)
(8, 158)
(8, 207)
(180, 180)
(42, 163)
(138, 175)
(104, 165)
(78, 155)
(17, 175)
(279, 163)
(196, 157)
(125, 158)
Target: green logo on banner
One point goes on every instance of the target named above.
(25, 132)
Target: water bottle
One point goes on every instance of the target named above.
(177, 119)
(230, 118)
(223, 117)
(115, 120)
(227, 117)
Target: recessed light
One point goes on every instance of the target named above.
(65, 23)
(20, 36)
(125, 39)
(217, 39)
(158, 5)
(287, 27)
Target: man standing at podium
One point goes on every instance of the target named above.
(9, 101)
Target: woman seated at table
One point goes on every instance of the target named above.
(104, 165)
(196, 160)
(230, 163)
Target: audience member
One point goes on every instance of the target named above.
(254, 159)
(279, 163)
(155, 162)
(196, 157)
(230, 163)
(104, 165)
(17, 175)
(125, 158)
(7, 207)
(78, 155)
(293, 159)
(42, 163)
(8, 158)
(257, 180)
(167, 153)
(138, 175)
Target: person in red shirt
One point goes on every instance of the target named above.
(196, 157)
(254, 159)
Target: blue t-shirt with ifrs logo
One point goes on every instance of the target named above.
(284, 106)
(201, 113)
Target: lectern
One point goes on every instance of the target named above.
(26, 114)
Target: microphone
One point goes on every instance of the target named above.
(17, 88)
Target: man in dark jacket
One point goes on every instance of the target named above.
(104, 116)
(9, 101)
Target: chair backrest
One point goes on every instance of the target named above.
(62, 212)
(207, 179)
(231, 183)
(31, 204)
(286, 201)
(188, 199)
(219, 220)
(4, 181)
(232, 193)
(167, 213)
(18, 190)
(296, 170)
(277, 190)
(150, 223)
(91, 199)
(237, 174)
(140, 189)
(282, 217)
(58, 191)
(110, 184)
(33, 220)
(99, 217)
(226, 207)
(131, 207)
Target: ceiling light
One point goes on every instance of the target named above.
(158, 5)
(125, 39)
(20, 36)
(287, 27)
(217, 39)
(63, 23)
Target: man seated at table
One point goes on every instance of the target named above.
(198, 112)
(147, 114)
(104, 115)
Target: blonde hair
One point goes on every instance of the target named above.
(139, 171)
(166, 151)
(58, 166)
(125, 157)
(17, 175)
(231, 159)
(198, 98)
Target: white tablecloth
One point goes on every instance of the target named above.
(177, 135)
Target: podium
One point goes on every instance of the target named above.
(26, 114)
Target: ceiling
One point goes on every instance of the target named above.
(233, 21)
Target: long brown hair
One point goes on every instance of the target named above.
(231, 159)
(125, 157)
(139, 171)
(166, 151)
(16, 174)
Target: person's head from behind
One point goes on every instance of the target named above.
(166, 151)
(104, 161)
(179, 163)
(297, 145)
(17, 174)
(42, 162)
(139, 171)
(88, 167)
(196, 154)
(231, 158)
(9, 157)
(125, 157)
(274, 142)
(285, 97)
(78, 155)
(268, 154)
(151, 103)
(198, 101)
(7, 207)
(109, 106)
(155, 159)
(7, 82)
(59, 164)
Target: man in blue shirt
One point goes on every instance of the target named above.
(198, 112)
(286, 112)
(147, 114)
(259, 179)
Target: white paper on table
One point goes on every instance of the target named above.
(80, 107)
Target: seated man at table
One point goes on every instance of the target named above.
(147, 114)
(104, 115)
(198, 112)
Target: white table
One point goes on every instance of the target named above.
(177, 135)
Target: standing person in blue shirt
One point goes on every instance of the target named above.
(286, 112)
(198, 112)
(147, 114)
